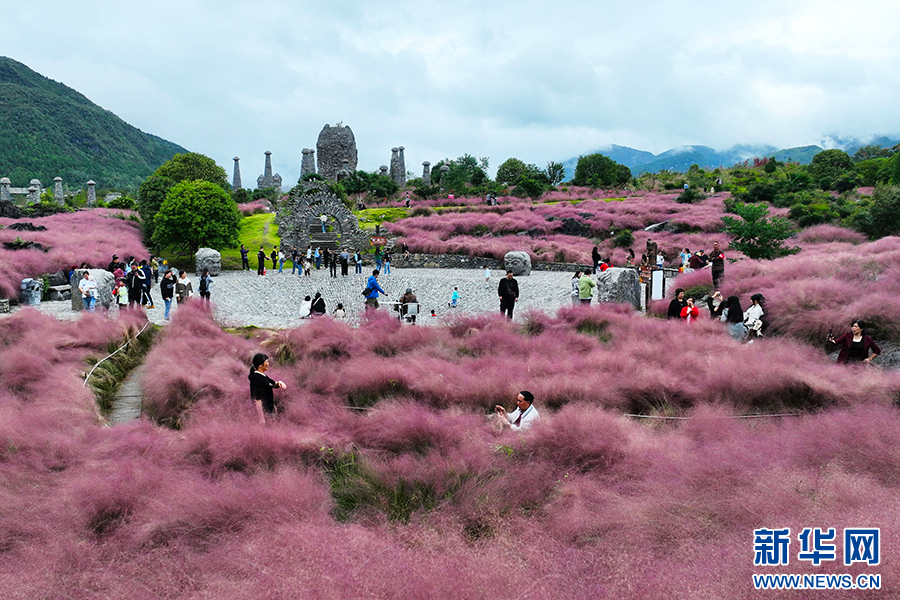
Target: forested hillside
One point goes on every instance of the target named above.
(49, 130)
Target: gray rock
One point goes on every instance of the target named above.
(4, 305)
(30, 290)
(656, 227)
(58, 278)
(517, 261)
(619, 285)
(207, 258)
(105, 284)
(60, 292)
(335, 144)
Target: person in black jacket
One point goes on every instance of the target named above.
(261, 261)
(675, 306)
(261, 386)
(508, 290)
(317, 309)
(167, 289)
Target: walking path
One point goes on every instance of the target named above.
(127, 405)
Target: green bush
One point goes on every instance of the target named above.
(623, 239)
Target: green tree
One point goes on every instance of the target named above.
(871, 151)
(195, 214)
(883, 215)
(757, 236)
(151, 195)
(596, 170)
(463, 170)
(510, 171)
(895, 170)
(827, 167)
(191, 167)
(556, 172)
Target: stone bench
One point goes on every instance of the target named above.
(60, 292)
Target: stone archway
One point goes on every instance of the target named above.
(299, 224)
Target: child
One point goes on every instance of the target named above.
(432, 313)
(454, 298)
(487, 276)
(121, 294)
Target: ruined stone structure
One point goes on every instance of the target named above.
(58, 191)
(444, 170)
(308, 164)
(426, 173)
(335, 145)
(398, 166)
(5, 196)
(91, 193)
(236, 180)
(299, 223)
(34, 193)
(267, 180)
(383, 171)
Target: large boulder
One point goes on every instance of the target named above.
(619, 285)
(207, 258)
(31, 291)
(518, 262)
(105, 284)
(59, 278)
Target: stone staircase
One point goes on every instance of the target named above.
(323, 240)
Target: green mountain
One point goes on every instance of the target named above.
(49, 130)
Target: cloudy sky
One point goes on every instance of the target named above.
(536, 80)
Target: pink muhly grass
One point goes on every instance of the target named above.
(90, 236)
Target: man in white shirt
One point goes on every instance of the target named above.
(88, 288)
(523, 417)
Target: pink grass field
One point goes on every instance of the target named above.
(428, 501)
(90, 236)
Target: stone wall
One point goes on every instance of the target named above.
(460, 261)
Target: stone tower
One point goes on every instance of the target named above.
(426, 173)
(236, 181)
(267, 180)
(58, 191)
(308, 165)
(401, 169)
(335, 145)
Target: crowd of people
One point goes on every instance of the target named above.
(303, 263)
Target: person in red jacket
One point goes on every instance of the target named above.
(690, 312)
(855, 345)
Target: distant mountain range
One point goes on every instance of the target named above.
(49, 130)
(681, 159)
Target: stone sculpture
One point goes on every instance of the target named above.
(236, 181)
(426, 173)
(91, 195)
(267, 179)
(308, 164)
(619, 285)
(335, 144)
(207, 258)
(518, 262)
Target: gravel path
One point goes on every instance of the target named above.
(242, 298)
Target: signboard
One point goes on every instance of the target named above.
(378, 241)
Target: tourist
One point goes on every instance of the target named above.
(333, 265)
(433, 314)
(183, 288)
(508, 290)
(324, 220)
(326, 257)
(261, 386)
(245, 258)
(88, 288)
(307, 268)
(167, 290)
(146, 298)
(205, 282)
(318, 256)
(685, 257)
(454, 298)
(274, 257)
(305, 306)
(689, 312)
(675, 306)
(135, 279)
(357, 261)
(405, 249)
(378, 257)
(154, 268)
(487, 276)
(345, 262)
(595, 258)
(855, 345)
(697, 261)
(339, 312)
(317, 309)
(281, 258)
(387, 262)
(294, 256)
(586, 287)
(730, 312)
(163, 267)
(574, 292)
(113, 263)
(261, 261)
(753, 315)
(629, 262)
(372, 290)
(405, 300)
(120, 294)
(717, 264)
(523, 417)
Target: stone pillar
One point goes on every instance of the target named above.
(4, 190)
(37, 184)
(308, 165)
(236, 181)
(384, 170)
(426, 173)
(444, 170)
(267, 173)
(401, 169)
(276, 183)
(91, 193)
(58, 191)
(34, 194)
(395, 162)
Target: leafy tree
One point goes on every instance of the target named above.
(374, 184)
(464, 170)
(192, 166)
(596, 170)
(195, 214)
(623, 239)
(510, 171)
(771, 166)
(529, 187)
(883, 215)
(895, 169)
(556, 172)
(757, 236)
(874, 171)
(122, 202)
(871, 151)
(827, 166)
(241, 195)
(151, 195)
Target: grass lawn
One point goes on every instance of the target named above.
(256, 230)
(371, 217)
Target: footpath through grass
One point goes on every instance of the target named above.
(256, 230)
